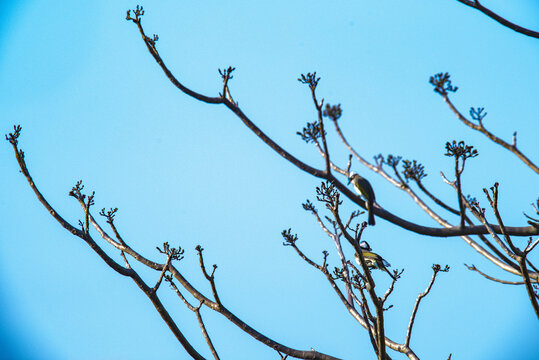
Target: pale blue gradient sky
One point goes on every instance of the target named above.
(94, 106)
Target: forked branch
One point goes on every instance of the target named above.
(442, 85)
(436, 269)
(322, 174)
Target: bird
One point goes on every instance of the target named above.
(364, 188)
(373, 260)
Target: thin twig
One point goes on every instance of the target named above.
(196, 310)
(165, 269)
(436, 268)
(210, 278)
(473, 268)
(490, 135)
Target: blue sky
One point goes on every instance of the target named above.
(94, 105)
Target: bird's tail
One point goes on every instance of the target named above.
(371, 215)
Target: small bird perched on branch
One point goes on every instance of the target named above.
(364, 188)
(373, 260)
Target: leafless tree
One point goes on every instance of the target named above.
(354, 285)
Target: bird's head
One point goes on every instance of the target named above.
(351, 177)
(365, 246)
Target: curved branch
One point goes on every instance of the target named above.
(196, 310)
(476, 5)
(423, 230)
(177, 275)
(479, 127)
(150, 44)
(211, 304)
(436, 269)
(84, 235)
(355, 314)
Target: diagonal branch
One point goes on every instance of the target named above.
(196, 310)
(210, 278)
(322, 174)
(473, 268)
(84, 235)
(481, 128)
(313, 355)
(491, 14)
(436, 268)
(150, 44)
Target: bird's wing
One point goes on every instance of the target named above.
(370, 255)
(371, 258)
(364, 188)
(375, 257)
(367, 188)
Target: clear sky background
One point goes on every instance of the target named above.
(94, 105)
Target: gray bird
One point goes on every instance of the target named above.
(364, 188)
(373, 260)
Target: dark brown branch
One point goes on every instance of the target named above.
(205, 333)
(391, 287)
(371, 337)
(19, 155)
(369, 282)
(367, 315)
(159, 267)
(444, 232)
(220, 308)
(498, 252)
(210, 278)
(165, 269)
(479, 213)
(435, 199)
(515, 253)
(318, 106)
(107, 259)
(196, 310)
(529, 288)
(166, 317)
(150, 44)
(323, 269)
(476, 5)
(470, 223)
(430, 231)
(459, 192)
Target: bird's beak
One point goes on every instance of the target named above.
(349, 179)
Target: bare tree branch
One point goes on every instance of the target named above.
(436, 268)
(196, 310)
(481, 128)
(454, 231)
(514, 252)
(476, 5)
(84, 235)
(507, 267)
(12, 138)
(473, 268)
